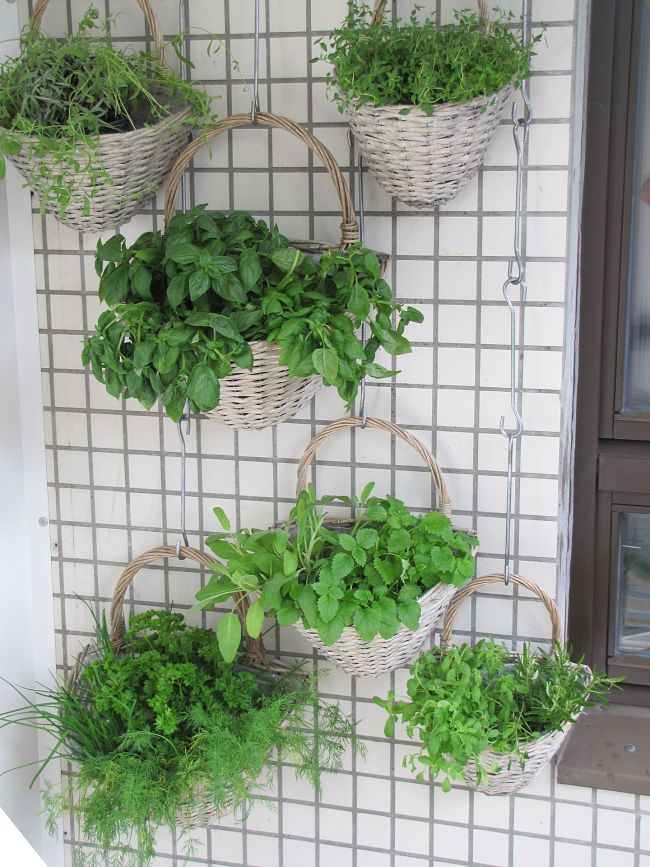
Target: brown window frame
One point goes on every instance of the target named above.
(612, 446)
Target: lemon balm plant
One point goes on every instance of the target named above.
(424, 100)
(368, 574)
(94, 128)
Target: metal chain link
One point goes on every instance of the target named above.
(516, 277)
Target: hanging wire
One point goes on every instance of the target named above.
(187, 74)
(255, 104)
(516, 277)
(363, 410)
(185, 418)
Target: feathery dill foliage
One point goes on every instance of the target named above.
(67, 92)
(464, 700)
(166, 717)
(420, 65)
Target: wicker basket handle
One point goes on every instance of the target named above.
(380, 5)
(496, 578)
(391, 428)
(255, 650)
(349, 225)
(145, 5)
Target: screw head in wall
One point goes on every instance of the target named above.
(630, 748)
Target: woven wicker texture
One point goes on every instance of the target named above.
(381, 655)
(267, 394)
(425, 160)
(511, 772)
(137, 162)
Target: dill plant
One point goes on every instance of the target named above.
(418, 64)
(165, 721)
(65, 93)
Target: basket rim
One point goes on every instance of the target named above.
(178, 114)
(414, 111)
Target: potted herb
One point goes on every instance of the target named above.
(489, 717)
(190, 308)
(424, 101)
(93, 129)
(164, 732)
(365, 591)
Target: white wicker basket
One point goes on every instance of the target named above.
(136, 162)
(267, 394)
(426, 160)
(351, 653)
(508, 773)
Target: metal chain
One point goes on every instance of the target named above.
(255, 104)
(187, 419)
(516, 277)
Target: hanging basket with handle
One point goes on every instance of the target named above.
(201, 811)
(381, 655)
(508, 773)
(133, 164)
(425, 160)
(267, 394)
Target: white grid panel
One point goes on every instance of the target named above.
(114, 468)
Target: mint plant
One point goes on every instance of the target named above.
(419, 64)
(370, 576)
(464, 700)
(185, 306)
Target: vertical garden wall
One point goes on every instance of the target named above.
(114, 468)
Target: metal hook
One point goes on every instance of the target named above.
(184, 418)
(255, 104)
(513, 366)
(520, 130)
(516, 277)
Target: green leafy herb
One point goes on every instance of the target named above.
(464, 700)
(418, 64)
(149, 728)
(67, 93)
(217, 283)
(371, 576)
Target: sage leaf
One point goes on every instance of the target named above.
(229, 636)
(255, 618)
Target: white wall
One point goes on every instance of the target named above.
(27, 653)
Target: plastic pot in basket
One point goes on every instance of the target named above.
(114, 161)
(423, 158)
(351, 652)
(160, 730)
(486, 716)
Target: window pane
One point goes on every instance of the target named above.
(633, 616)
(637, 355)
